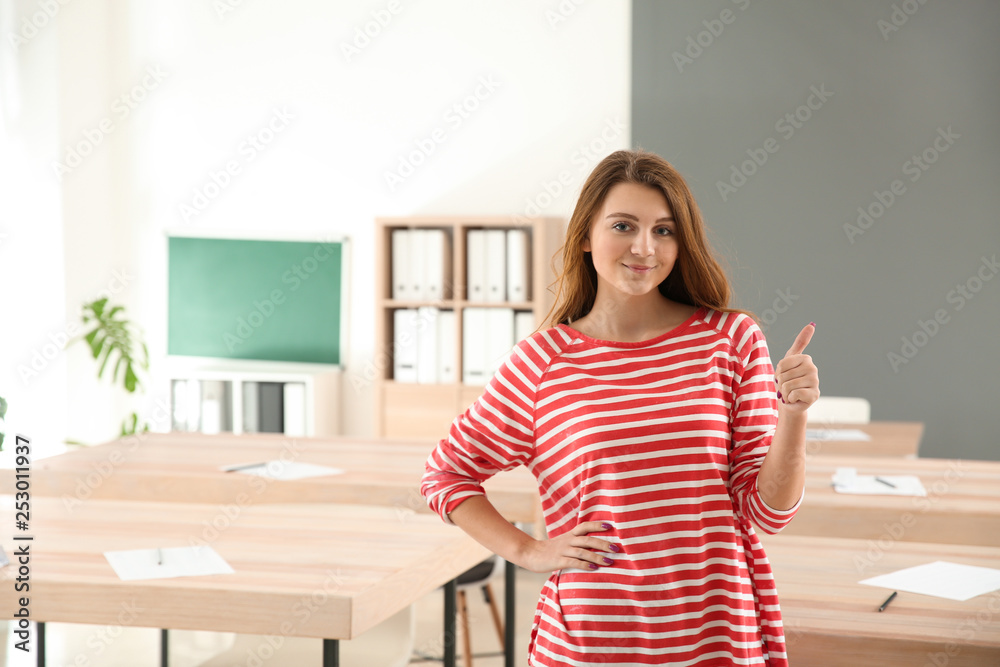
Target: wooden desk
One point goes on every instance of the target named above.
(323, 570)
(831, 620)
(887, 439)
(187, 467)
(962, 505)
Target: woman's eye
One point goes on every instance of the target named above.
(620, 226)
(665, 231)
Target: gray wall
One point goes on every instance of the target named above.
(782, 231)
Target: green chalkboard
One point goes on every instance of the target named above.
(250, 299)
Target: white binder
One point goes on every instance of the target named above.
(404, 357)
(400, 265)
(418, 264)
(427, 345)
(496, 266)
(446, 353)
(437, 264)
(499, 337)
(518, 266)
(294, 404)
(524, 325)
(474, 347)
(475, 266)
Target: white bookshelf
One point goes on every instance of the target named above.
(316, 407)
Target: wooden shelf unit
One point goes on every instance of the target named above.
(412, 410)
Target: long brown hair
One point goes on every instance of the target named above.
(697, 279)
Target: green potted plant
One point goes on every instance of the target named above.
(113, 337)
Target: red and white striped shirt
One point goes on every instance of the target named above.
(663, 440)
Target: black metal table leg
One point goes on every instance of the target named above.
(164, 647)
(509, 595)
(450, 639)
(331, 653)
(41, 644)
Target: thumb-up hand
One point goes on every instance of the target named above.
(796, 375)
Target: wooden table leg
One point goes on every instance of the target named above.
(449, 623)
(331, 653)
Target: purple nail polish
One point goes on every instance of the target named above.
(606, 526)
(608, 561)
(593, 566)
(779, 396)
(812, 324)
(615, 548)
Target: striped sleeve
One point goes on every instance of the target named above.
(495, 433)
(754, 417)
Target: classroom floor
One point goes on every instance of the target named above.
(103, 646)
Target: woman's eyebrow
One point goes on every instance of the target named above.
(632, 217)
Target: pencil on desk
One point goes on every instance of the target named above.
(887, 601)
(886, 482)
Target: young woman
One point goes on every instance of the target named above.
(649, 412)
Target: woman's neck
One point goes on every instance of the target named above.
(633, 319)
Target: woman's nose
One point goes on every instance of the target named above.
(642, 246)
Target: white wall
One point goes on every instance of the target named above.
(553, 98)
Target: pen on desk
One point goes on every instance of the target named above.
(887, 601)
(886, 482)
(245, 466)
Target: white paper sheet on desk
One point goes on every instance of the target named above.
(941, 579)
(166, 563)
(847, 480)
(841, 434)
(284, 470)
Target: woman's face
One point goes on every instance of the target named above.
(632, 240)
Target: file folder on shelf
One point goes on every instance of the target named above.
(427, 345)
(496, 266)
(404, 366)
(475, 266)
(474, 347)
(518, 266)
(400, 264)
(437, 265)
(446, 352)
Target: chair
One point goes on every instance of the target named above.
(839, 410)
(389, 644)
(480, 577)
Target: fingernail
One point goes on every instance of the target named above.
(615, 548)
(783, 401)
(608, 561)
(812, 324)
(779, 395)
(593, 566)
(606, 526)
